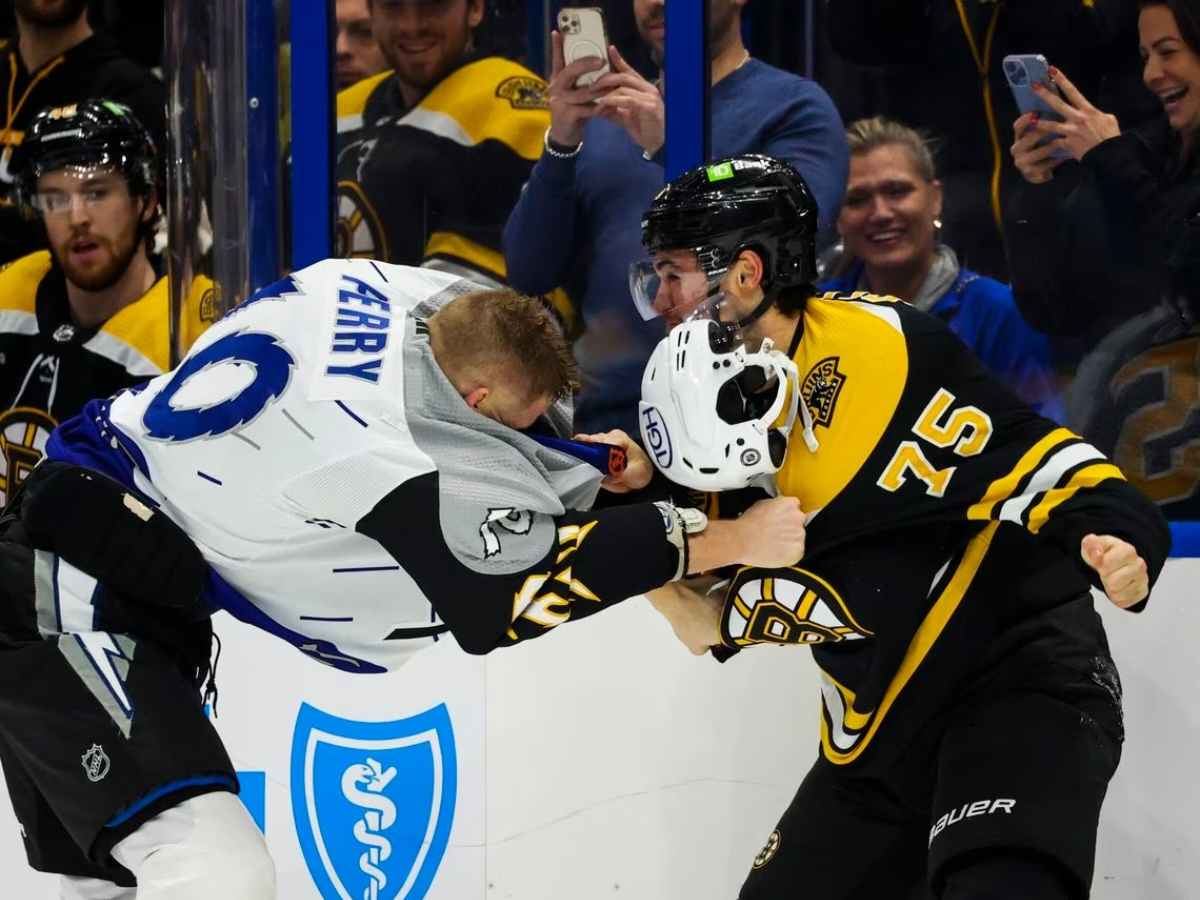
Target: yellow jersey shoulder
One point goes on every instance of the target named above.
(19, 281)
(144, 325)
(353, 100)
(494, 99)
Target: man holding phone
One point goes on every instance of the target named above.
(578, 221)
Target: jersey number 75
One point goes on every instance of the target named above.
(966, 429)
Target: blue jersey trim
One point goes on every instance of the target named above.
(170, 788)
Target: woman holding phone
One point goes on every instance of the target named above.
(1091, 231)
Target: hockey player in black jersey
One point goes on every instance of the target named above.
(971, 710)
(89, 316)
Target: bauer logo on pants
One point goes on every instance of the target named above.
(373, 802)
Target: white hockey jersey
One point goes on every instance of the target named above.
(277, 441)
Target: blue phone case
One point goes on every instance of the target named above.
(1022, 71)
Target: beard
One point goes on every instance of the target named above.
(102, 277)
(50, 13)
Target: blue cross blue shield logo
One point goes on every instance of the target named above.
(373, 802)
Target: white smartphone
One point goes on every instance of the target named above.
(1023, 71)
(583, 34)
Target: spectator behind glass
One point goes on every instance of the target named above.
(89, 316)
(1091, 235)
(889, 223)
(431, 154)
(578, 222)
(55, 60)
(356, 52)
(944, 76)
(1137, 394)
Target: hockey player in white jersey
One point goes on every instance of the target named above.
(352, 460)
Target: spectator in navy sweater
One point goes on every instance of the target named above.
(578, 222)
(889, 223)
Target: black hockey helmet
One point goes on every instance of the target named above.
(88, 134)
(745, 202)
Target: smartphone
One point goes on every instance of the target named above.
(583, 34)
(1023, 71)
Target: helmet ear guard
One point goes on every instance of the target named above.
(713, 415)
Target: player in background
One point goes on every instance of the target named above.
(971, 710)
(89, 316)
(355, 460)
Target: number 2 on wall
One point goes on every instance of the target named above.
(966, 429)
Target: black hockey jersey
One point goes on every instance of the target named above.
(49, 367)
(434, 184)
(947, 516)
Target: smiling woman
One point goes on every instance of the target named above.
(893, 246)
(1089, 242)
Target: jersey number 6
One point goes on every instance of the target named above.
(966, 429)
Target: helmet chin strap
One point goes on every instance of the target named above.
(758, 311)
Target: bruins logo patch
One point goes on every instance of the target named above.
(523, 92)
(821, 388)
(767, 853)
(786, 606)
(23, 435)
(358, 233)
(210, 305)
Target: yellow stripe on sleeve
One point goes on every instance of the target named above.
(1088, 476)
(1002, 488)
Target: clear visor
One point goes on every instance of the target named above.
(90, 185)
(665, 291)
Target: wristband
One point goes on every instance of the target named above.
(554, 149)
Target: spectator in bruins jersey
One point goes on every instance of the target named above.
(891, 232)
(89, 316)
(971, 709)
(576, 223)
(1136, 395)
(55, 60)
(432, 153)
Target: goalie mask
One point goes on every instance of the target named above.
(715, 416)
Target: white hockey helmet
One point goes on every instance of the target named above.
(715, 416)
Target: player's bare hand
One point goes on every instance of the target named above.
(774, 531)
(692, 611)
(570, 106)
(1122, 572)
(629, 100)
(1035, 163)
(1083, 126)
(638, 469)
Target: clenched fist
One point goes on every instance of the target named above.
(775, 531)
(1122, 572)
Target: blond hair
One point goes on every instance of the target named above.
(866, 135)
(503, 334)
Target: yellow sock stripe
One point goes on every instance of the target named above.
(1088, 476)
(1002, 488)
(927, 634)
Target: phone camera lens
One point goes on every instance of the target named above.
(1016, 73)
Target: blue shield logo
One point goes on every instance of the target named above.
(373, 802)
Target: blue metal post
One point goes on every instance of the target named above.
(687, 87)
(312, 131)
(262, 143)
(537, 36)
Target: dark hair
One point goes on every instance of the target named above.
(1187, 17)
